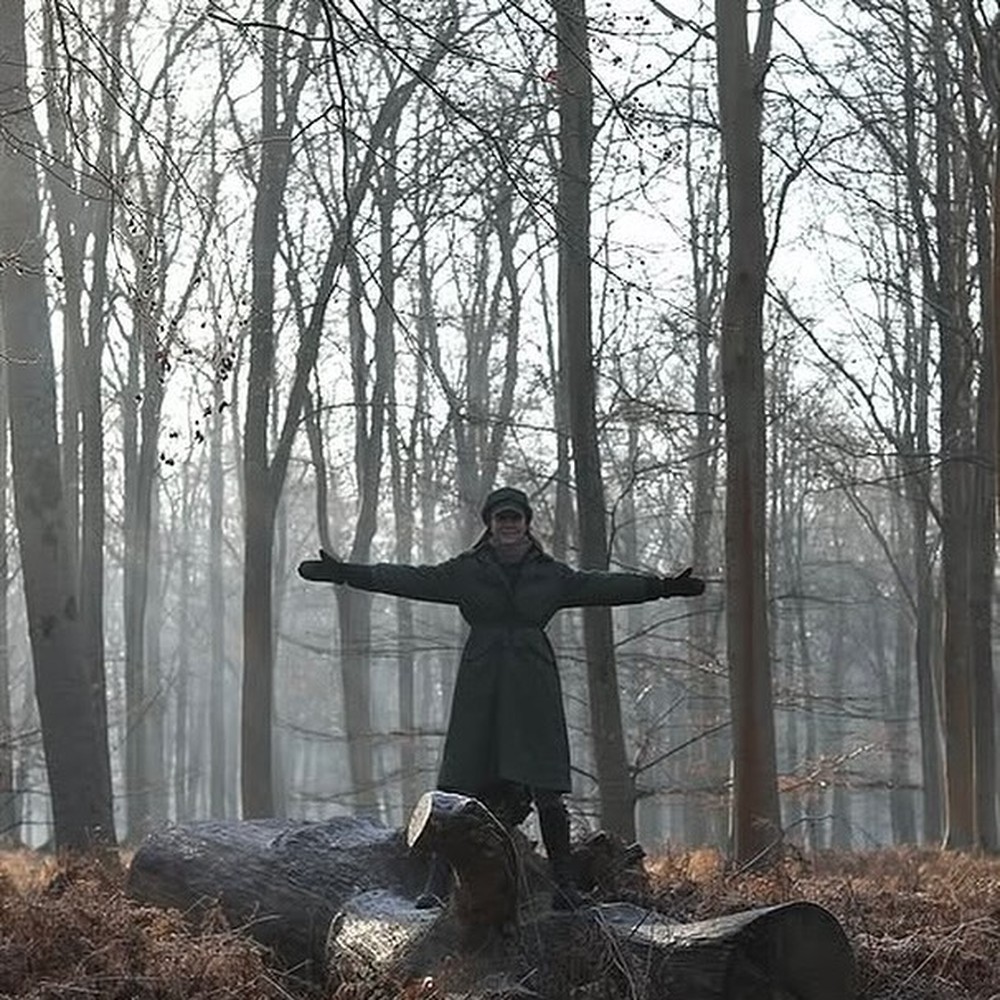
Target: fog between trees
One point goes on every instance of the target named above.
(298, 267)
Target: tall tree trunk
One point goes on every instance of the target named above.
(403, 500)
(9, 823)
(993, 90)
(576, 129)
(143, 403)
(840, 809)
(785, 562)
(756, 820)
(902, 814)
(708, 697)
(134, 750)
(354, 607)
(887, 679)
(184, 753)
(956, 477)
(404, 456)
(218, 772)
(563, 520)
(156, 686)
(982, 549)
(928, 697)
(433, 708)
(814, 794)
(71, 732)
(83, 213)
(280, 762)
(259, 500)
(916, 473)
(900, 702)
(264, 477)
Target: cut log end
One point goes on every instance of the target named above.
(479, 849)
(793, 950)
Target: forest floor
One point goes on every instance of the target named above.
(924, 925)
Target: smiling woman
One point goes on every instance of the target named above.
(507, 743)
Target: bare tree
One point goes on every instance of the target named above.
(264, 474)
(152, 351)
(575, 336)
(906, 343)
(83, 199)
(72, 734)
(756, 820)
(976, 78)
(218, 764)
(704, 220)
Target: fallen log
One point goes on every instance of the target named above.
(794, 951)
(281, 881)
(335, 900)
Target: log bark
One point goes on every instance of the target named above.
(795, 951)
(280, 880)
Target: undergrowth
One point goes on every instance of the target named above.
(68, 930)
(924, 925)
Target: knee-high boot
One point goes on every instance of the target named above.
(438, 887)
(553, 819)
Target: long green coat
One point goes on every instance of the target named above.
(507, 720)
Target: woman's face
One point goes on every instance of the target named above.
(508, 526)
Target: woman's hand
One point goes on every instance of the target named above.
(683, 585)
(326, 569)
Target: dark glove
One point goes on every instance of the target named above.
(683, 585)
(326, 568)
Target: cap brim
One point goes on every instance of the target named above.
(507, 508)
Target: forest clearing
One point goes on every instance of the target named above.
(924, 925)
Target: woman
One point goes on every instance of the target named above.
(507, 742)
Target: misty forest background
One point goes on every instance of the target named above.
(293, 273)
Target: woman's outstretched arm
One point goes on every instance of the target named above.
(438, 583)
(581, 588)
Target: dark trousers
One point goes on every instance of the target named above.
(511, 803)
